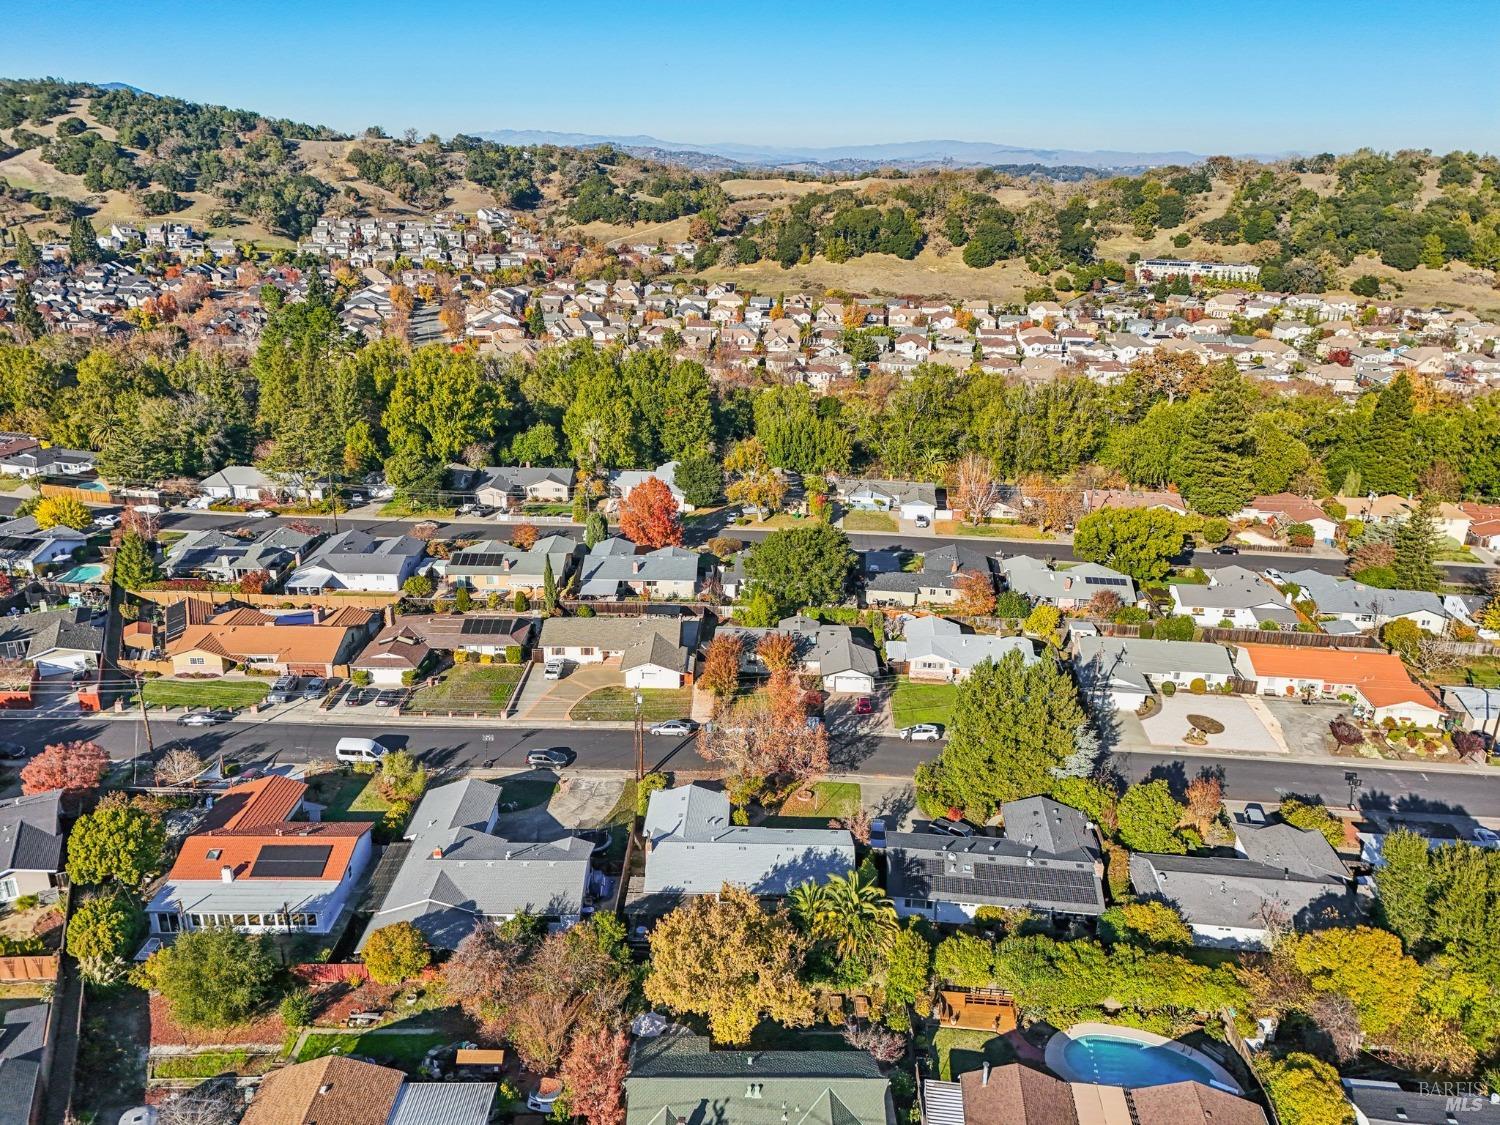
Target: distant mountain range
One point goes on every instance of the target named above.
(844, 158)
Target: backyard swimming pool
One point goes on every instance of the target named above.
(1121, 1056)
(84, 572)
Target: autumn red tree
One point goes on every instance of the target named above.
(593, 1074)
(721, 665)
(648, 516)
(768, 737)
(976, 595)
(523, 535)
(777, 651)
(74, 767)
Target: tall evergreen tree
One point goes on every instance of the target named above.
(1416, 544)
(134, 563)
(1404, 883)
(83, 242)
(28, 320)
(595, 529)
(1212, 466)
(549, 587)
(26, 254)
(1388, 460)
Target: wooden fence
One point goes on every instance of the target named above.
(330, 972)
(28, 968)
(171, 595)
(1215, 635)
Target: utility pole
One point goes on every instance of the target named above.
(640, 740)
(333, 488)
(140, 695)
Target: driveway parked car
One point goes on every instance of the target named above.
(864, 705)
(921, 732)
(387, 698)
(358, 697)
(204, 718)
(108, 520)
(315, 688)
(552, 757)
(946, 827)
(675, 728)
(284, 690)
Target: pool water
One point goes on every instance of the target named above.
(84, 572)
(1123, 1062)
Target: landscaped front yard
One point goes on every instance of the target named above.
(990, 530)
(617, 704)
(204, 693)
(825, 801)
(485, 688)
(348, 796)
(913, 703)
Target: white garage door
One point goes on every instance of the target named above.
(851, 682)
(651, 676)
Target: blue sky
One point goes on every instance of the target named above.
(1274, 75)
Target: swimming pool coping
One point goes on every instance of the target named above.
(1057, 1045)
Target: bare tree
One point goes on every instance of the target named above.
(884, 1046)
(212, 1103)
(178, 766)
(974, 489)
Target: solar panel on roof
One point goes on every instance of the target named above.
(291, 861)
(1017, 882)
(478, 558)
(1102, 581)
(483, 626)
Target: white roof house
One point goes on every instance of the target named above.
(935, 648)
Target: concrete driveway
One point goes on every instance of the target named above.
(1247, 724)
(544, 699)
(577, 802)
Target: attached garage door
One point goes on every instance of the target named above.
(851, 682)
(651, 676)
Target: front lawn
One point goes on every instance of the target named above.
(1481, 671)
(525, 793)
(203, 693)
(402, 1049)
(617, 704)
(211, 1064)
(827, 800)
(868, 521)
(405, 509)
(348, 796)
(913, 703)
(485, 688)
(990, 530)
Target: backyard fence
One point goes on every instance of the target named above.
(14, 969)
(329, 972)
(1215, 635)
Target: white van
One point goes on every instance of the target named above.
(554, 669)
(358, 750)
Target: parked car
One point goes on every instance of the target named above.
(921, 732)
(204, 718)
(199, 503)
(315, 688)
(259, 514)
(284, 690)
(1226, 549)
(358, 750)
(554, 669)
(108, 520)
(12, 750)
(943, 826)
(864, 705)
(922, 521)
(358, 697)
(358, 498)
(675, 728)
(389, 697)
(1485, 838)
(552, 757)
(1255, 814)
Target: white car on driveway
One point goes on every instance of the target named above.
(921, 732)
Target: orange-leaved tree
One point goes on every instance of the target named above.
(74, 767)
(648, 516)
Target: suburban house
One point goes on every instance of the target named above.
(1278, 876)
(653, 651)
(1067, 588)
(936, 649)
(31, 845)
(1048, 860)
(55, 642)
(1367, 607)
(408, 642)
(1283, 509)
(510, 486)
(905, 499)
(937, 581)
(694, 848)
(1474, 708)
(1236, 595)
(304, 642)
(498, 567)
(247, 484)
(339, 1090)
(624, 482)
(457, 873)
(1376, 681)
(1019, 1094)
(1452, 521)
(612, 569)
(1097, 498)
(25, 547)
(357, 560)
(1126, 671)
(49, 462)
(1378, 1102)
(255, 868)
(680, 1078)
(221, 557)
(23, 1055)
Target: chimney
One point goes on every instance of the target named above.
(984, 1075)
(437, 853)
(1067, 582)
(328, 1086)
(226, 874)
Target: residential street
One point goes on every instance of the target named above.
(474, 746)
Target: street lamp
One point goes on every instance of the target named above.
(1351, 779)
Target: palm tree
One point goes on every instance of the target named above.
(853, 914)
(804, 901)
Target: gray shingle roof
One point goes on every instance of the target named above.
(939, 638)
(677, 1077)
(1385, 1103)
(1333, 595)
(456, 873)
(30, 837)
(1234, 890)
(1037, 580)
(31, 634)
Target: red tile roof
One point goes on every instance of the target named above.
(205, 855)
(268, 800)
(1379, 676)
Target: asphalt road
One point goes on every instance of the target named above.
(469, 747)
